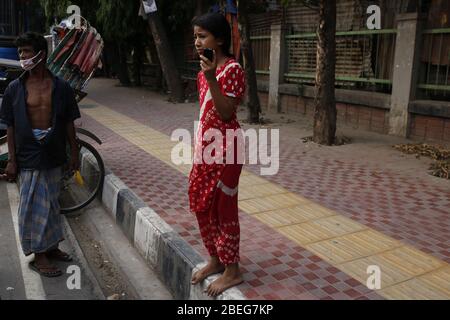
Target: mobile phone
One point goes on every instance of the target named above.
(208, 53)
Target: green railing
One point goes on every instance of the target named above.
(261, 52)
(364, 59)
(434, 75)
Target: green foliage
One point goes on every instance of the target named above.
(54, 9)
(37, 20)
(88, 10)
(176, 14)
(119, 19)
(116, 20)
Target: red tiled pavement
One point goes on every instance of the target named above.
(394, 200)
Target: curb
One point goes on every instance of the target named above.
(169, 255)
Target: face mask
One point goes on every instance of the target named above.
(29, 64)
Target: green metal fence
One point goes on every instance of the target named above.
(434, 75)
(261, 51)
(364, 59)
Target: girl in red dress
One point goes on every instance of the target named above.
(213, 185)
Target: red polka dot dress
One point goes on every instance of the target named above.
(213, 184)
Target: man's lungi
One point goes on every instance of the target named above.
(40, 223)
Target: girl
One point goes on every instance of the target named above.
(213, 186)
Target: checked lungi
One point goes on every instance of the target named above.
(40, 223)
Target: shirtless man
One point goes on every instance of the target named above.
(39, 87)
(39, 110)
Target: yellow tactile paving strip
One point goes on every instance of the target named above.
(406, 273)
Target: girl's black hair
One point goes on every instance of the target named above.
(218, 25)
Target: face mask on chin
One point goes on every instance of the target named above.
(29, 64)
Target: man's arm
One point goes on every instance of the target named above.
(6, 114)
(11, 167)
(74, 152)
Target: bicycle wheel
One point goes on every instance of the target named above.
(77, 193)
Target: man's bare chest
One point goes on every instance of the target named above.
(39, 103)
(39, 97)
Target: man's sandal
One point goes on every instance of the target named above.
(58, 255)
(41, 270)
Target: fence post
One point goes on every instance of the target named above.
(277, 65)
(406, 69)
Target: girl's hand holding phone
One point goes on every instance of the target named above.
(208, 66)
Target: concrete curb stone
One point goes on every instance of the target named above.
(165, 251)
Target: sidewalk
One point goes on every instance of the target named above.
(309, 232)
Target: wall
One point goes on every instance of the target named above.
(423, 128)
(428, 128)
(357, 116)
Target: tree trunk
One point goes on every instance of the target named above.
(110, 60)
(253, 104)
(122, 72)
(166, 58)
(137, 63)
(325, 102)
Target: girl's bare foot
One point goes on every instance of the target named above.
(213, 266)
(230, 278)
